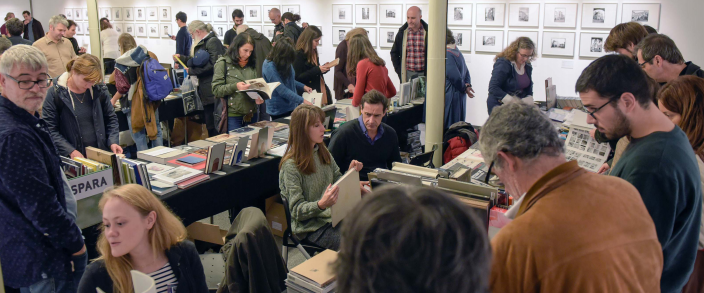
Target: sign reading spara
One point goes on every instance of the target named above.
(91, 184)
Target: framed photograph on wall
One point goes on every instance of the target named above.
(128, 13)
(295, 9)
(599, 15)
(165, 30)
(591, 45)
(269, 31)
(78, 14)
(153, 14)
(231, 9)
(513, 35)
(459, 14)
(84, 14)
(371, 33)
(558, 44)
(387, 36)
(220, 14)
(105, 12)
(490, 41)
(86, 28)
(118, 26)
(153, 30)
(463, 39)
(524, 14)
(253, 13)
(491, 14)
(79, 28)
(560, 15)
(365, 13)
(220, 30)
(642, 13)
(257, 28)
(203, 13)
(339, 33)
(391, 14)
(117, 13)
(140, 30)
(165, 13)
(424, 10)
(265, 12)
(140, 14)
(320, 44)
(69, 13)
(342, 13)
(129, 28)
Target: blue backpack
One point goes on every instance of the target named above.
(157, 84)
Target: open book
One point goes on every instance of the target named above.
(258, 88)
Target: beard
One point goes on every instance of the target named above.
(622, 126)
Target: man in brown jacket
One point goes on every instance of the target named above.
(574, 231)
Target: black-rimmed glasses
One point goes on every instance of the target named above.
(642, 65)
(29, 84)
(597, 109)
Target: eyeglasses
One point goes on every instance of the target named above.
(524, 55)
(488, 172)
(29, 84)
(597, 109)
(642, 65)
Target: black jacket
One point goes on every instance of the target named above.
(17, 40)
(399, 48)
(184, 261)
(214, 47)
(278, 28)
(309, 74)
(59, 115)
(38, 30)
(292, 31)
(692, 69)
(504, 80)
(262, 47)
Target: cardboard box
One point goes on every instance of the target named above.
(206, 232)
(276, 215)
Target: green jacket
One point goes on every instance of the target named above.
(238, 104)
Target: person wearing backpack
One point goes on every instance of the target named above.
(78, 112)
(205, 53)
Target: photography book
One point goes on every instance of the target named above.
(258, 88)
(216, 156)
(348, 197)
(177, 175)
(314, 98)
(160, 154)
(316, 271)
(333, 63)
(191, 161)
(238, 155)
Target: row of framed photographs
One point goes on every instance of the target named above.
(151, 30)
(252, 13)
(161, 13)
(368, 13)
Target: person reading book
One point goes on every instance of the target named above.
(78, 111)
(231, 71)
(307, 65)
(306, 174)
(368, 68)
(278, 68)
(140, 233)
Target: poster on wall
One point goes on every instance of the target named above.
(645, 14)
(339, 33)
(459, 14)
(295, 9)
(387, 36)
(599, 15)
(391, 14)
(117, 13)
(489, 41)
(424, 11)
(463, 39)
(220, 30)
(558, 44)
(204, 13)
(166, 30)
(342, 13)
(220, 14)
(129, 28)
(141, 30)
(253, 13)
(153, 30)
(128, 13)
(365, 13)
(105, 13)
(560, 15)
(266, 10)
(231, 9)
(68, 12)
(118, 26)
(269, 31)
(152, 13)
(140, 14)
(165, 13)
(491, 14)
(524, 14)
(591, 45)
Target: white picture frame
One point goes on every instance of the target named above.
(320, 27)
(68, 12)
(105, 12)
(424, 11)
(524, 15)
(513, 35)
(153, 15)
(645, 14)
(295, 9)
(164, 13)
(459, 14)
(253, 13)
(391, 14)
(371, 34)
(140, 14)
(220, 30)
(560, 15)
(86, 28)
(339, 33)
(153, 30)
(257, 28)
(83, 13)
(342, 14)
(128, 14)
(463, 38)
(265, 12)
(231, 9)
(591, 45)
(140, 30)
(490, 14)
(203, 13)
(558, 44)
(387, 36)
(219, 13)
(269, 31)
(489, 41)
(165, 29)
(79, 28)
(130, 29)
(118, 26)
(117, 14)
(365, 13)
(599, 15)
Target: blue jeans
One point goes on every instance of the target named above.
(238, 122)
(52, 285)
(140, 138)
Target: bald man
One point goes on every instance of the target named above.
(410, 48)
(275, 17)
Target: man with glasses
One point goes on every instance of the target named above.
(659, 160)
(624, 37)
(58, 50)
(662, 60)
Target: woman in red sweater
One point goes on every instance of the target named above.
(370, 71)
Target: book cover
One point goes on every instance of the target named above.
(216, 157)
(318, 269)
(348, 197)
(238, 155)
(155, 168)
(177, 175)
(314, 98)
(198, 166)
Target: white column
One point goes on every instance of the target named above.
(435, 94)
(94, 25)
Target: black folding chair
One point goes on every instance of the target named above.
(307, 248)
(424, 159)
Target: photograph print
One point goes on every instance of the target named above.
(68, 12)
(165, 13)
(117, 14)
(269, 31)
(338, 34)
(141, 29)
(592, 45)
(79, 28)
(597, 45)
(295, 9)
(86, 30)
(560, 15)
(220, 30)
(153, 14)
(219, 13)
(128, 13)
(599, 15)
(253, 13)
(140, 14)
(645, 14)
(366, 13)
(524, 14)
(118, 27)
(463, 39)
(78, 14)
(165, 30)
(129, 28)
(558, 44)
(342, 13)
(639, 15)
(153, 30)
(106, 13)
(387, 36)
(203, 13)
(391, 14)
(487, 41)
(459, 14)
(491, 14)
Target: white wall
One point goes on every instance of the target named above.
(678, 18)
(15, 7)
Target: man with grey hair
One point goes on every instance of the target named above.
(662, 60)
(584, 227)
(40, 238)
(58, 50)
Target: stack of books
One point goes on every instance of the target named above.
(80, 166)
(182, 177)
(416, 148)
(160, 154)
(134, 172)
(314, 275)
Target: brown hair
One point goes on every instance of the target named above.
(685, 96)
(305, 43)
(374, 97)
(105, 24)
(360, 48)
(7, 16)
(512, 50)
(168, 230)
(291, 17)
(661, 45)
(299, 142)
(126, 42)
(355, 31)
(623, 35)
(87, 65)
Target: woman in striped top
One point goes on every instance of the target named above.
(141, 233)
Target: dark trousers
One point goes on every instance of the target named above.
(109, 64)
(210, 119)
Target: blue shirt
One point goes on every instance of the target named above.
(379, 133)
(30, 31)
(183, 42)
(38, 235)
(285, 97)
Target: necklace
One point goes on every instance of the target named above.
(72, 93)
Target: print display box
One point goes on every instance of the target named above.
(88, 190)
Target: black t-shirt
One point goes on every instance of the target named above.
(83, 104)
(229, 36)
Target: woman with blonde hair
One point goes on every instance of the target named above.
(369, 69)
(511, 79)
(78, 111)
(306, 174)
(342, 81)
(141, 233)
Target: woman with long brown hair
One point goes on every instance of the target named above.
(141, 233)
(307, 65)
(108, 42)
(306, 174)
(511, 79)
(682, 100)
(342, 81)
(368, 68)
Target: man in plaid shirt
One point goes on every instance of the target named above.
(408, 53)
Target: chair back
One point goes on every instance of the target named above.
(424, 159)
(287, 233)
